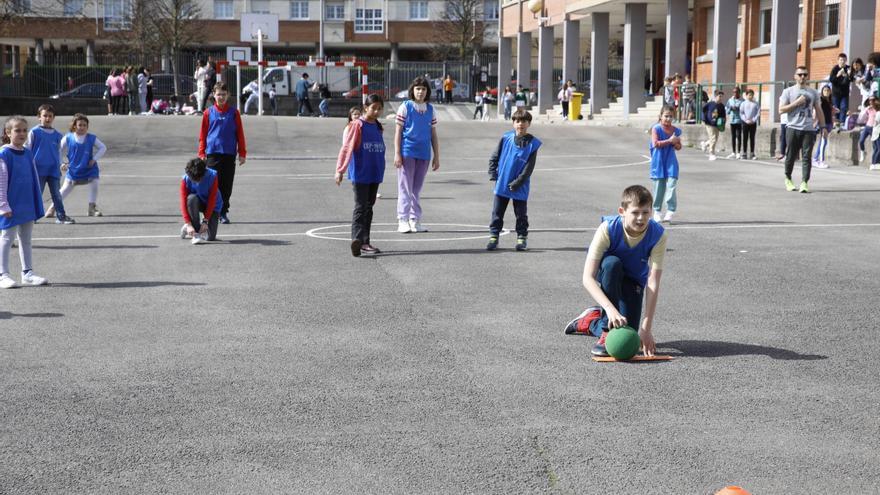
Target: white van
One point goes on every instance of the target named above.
(338, 79)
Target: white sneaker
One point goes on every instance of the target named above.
(712, 157)
(198, 239)
(820, 165)
(6, 281)
(731, 156)
(739, 156)
(657, 217)
(183, 233)
(754, 156)
(861, 156)
(703, 146)
(874, 166)
(31, 278)
(403, 226)
(668, 217)
(416, 226)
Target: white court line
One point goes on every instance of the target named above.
(413, 238)
(333, 158)
(313, 176)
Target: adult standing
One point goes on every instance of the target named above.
(201, 77)
(142, 89)
(210, 81)
(117, 91)
(448, 84)
(302, 94)
(800, 102)
(149, 77)
(131, 87)
(840, 77)
(507, 101)
(110, 92)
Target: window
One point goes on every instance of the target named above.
(418, 10)
(765, 22)
(490, 10)
(335, 12)
(117, 15)
(259, 6)
(73, 7)
(800, 22)
(710, 29)
(299, 9)
(20, 6)
(368, 21)
(739, 33)
(223, 9)
(827, 18)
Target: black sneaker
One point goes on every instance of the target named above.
(223, 218)
(65, 220)
(493, 243)
(521, 244)
(369, 249)
(599, 348)
(356, 248)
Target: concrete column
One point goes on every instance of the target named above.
(676, 36)
(395, 56)
(546, 93)
(724, 50)
(16, 60)
(571, 50)
(90, 53)
(783, 52)
(599, 62)
(524, 60)
(166, 59)
(858, 37)
(505, 67)
(39, 55)
(635, 18)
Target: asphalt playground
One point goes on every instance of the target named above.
(272, 361)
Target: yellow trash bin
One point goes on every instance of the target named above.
(574, 106)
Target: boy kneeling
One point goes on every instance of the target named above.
(199, 194)
(624, 264)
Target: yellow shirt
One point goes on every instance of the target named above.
(602, 242)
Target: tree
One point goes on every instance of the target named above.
(137, 33)
(177, 27)
(460, 29)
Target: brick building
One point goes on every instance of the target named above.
(718, 41)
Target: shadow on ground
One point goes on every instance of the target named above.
(714, 348)
(127, 285)
(5, 315)
(104, 246)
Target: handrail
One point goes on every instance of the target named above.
(746, 85)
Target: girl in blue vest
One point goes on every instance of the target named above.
(21, 202)
(623, 269)
(511, 167)
(83, 150)
(363, 156)
(415, 138)
(45, 143)
(665, 141)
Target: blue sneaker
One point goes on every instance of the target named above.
(493, 243)
(521, 244)
(224, 219)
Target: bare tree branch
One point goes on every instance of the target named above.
(460, 29)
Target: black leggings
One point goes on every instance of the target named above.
(749, 137)
(224, 165)
(736, 137)
(362, 216)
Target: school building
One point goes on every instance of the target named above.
(392, 29)
(717, 41)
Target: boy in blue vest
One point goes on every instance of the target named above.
(510, 168)
(199, 193)
(220, 139)
(45, 144)
(623, 269)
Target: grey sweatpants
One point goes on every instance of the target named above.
(24, 232)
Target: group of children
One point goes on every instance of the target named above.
(741, 115)
(30, 160)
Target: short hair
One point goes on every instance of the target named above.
(718, 92)
(195, 169)
(750, 91)
(635, 195)
(45, 107)
(305, 75)
(874, 58)
(841, 55)
(801, 67)
(420, 82)
(521, 114)
(221, 86)
(76, 118)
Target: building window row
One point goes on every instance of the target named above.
(368, 21)
(827, 23)
(299, 10)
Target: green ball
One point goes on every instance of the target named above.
(622, 343)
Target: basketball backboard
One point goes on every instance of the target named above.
(238, 54)
(251, 23)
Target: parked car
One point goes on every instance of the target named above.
(163, 85)
(374, 87)
(89, 90)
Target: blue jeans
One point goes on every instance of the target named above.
(55, 192)
(625, 294)
(842, 104)
(864, 135)
(324, 107)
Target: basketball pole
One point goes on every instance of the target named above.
(260, 71)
